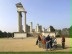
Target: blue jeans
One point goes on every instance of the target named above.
(40, 44)
(47, 45)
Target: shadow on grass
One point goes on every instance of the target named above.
(59, 47)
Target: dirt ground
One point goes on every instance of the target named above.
(28, 45)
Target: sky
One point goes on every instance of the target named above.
(43, 12)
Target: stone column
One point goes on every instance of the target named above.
(19, 22)
(25, 21)
(37, 27)
(43, 29)
(30, 27)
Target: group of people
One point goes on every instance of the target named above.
(49, 42)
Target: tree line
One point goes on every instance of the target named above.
(5, 34)
(64, 32)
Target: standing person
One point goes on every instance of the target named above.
(51, 43)
(63, 42)
(43, 42)
(47, 42)
(39, 41)
(54, 42)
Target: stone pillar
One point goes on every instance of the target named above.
(19, 22)
(25, 21)
(49, 30)
(37, 27)
(43, 29)
(30, 27)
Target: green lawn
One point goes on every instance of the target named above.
(35, 52)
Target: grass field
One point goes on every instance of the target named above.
(28, 45)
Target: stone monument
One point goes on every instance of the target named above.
(20, 33)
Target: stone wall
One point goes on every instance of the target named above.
(20, 35)
(49, 33)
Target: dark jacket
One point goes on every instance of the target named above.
(48, 38)
(63, 39)
(39, 38)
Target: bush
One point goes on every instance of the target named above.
(58, 36)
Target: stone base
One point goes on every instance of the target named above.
(20, 35)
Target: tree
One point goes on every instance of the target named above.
(52, 29)
(1, 33)
(65, 32)
(9, 34)
(4, 34)
(58, 32)
(70, 33)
